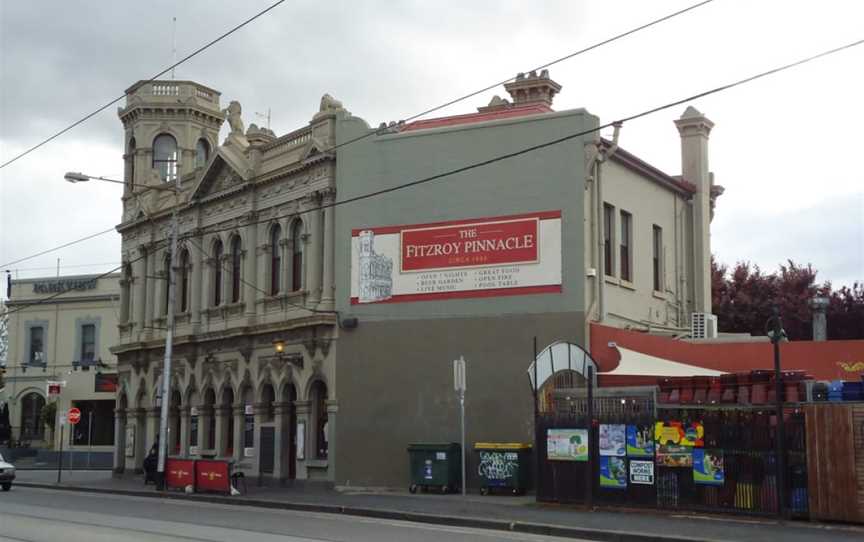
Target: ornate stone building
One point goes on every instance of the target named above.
(254, 269)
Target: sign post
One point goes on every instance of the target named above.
(89, 436)
(459, 385)
(60, 455)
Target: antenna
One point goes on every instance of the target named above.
(267, 117)
(173, 45)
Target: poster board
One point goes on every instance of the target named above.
(567, 444)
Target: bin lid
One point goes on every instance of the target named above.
(501, 446)
(443, 446)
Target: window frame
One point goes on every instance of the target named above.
(236, 268)
(275, 259)
(184, 280)
(297, 251)
(199, 163)
(625, 244)
(169, 172)
(83, 344)
(657, 258)
(31, 351)
(218, 252)
(608, 240)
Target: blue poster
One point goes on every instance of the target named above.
(613, 472)
(708, 467)
(640, 441)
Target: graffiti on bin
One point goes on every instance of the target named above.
(497, 465)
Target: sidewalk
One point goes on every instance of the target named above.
(520, 514)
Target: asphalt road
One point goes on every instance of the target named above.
(39, 515)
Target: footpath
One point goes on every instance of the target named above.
(507, 513)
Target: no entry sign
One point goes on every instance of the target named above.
(74, 415)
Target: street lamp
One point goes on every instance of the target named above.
(77, 177)
(774, 330)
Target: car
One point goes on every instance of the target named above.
(7, 474)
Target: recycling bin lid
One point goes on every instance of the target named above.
(502, 446)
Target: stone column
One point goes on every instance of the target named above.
(125, 294)
(282, 440)
(196, 279)
(327, 286)
(239, 425)
(151, 293)
(139, 270)
(152, 427)
(303, 415)
(332, 410)
(287, 262)
(250, 268)
(119, 440)
(185, 422)
(138, 416)
(313, 267)
(260, 412)
(204, 415)
(223, 414)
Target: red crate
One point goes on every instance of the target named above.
(179, 473)
(213, 475)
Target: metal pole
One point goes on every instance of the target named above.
(60, 455)
(780, 440)
(590, 408)
(537, 459)
(462, 409)
(89, 436)
(169, 338)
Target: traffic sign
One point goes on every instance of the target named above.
(74, 415)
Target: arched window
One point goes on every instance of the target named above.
(202, 153)
(184, 281)
(227, 405)
(165, 156)
(275, 259)
(130, 163)
(31, 414)
(167, 283)
(209, 408)
(236, 257)
(319, 406)
(268, 396)
(217, 273)
(297, 256)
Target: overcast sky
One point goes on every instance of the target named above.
(786, 148)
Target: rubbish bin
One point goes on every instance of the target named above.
(503, 466)
(435, 465)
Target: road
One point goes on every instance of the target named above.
(40, 515)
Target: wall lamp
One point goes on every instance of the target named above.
(294, 359)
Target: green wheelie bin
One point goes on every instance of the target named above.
(504, 466)
(435, 465)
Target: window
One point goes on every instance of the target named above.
(626, 245)
(88, 344)
(167, 283)
(165, 157)
(101, 415)
(37, 346)
(31, 417)
(319, 398)
(297, 256)
(184, 281)
(130, 162)
(202, 153)
(657, 249)
(236, 258)
(608, 224)
(217, 273)
(275, 259)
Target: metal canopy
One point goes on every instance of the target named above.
(561, 356)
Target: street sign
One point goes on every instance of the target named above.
(459, 374)
(54, 387)
(74, 415)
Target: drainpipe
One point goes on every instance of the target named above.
(602, 156)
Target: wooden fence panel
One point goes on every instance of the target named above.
(835, 488)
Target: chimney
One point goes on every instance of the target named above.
(694, 129)
(533, 88)
(820, 322)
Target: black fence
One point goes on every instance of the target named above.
(736, 448)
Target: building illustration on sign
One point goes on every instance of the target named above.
(480, 257)
(376, 271)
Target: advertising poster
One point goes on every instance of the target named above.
(613, 472)
(690, 434)
(641, 472)
(708, 467)
(640, 441)
(475, 257)
(612, 440)
(674, 455)
(567, 444)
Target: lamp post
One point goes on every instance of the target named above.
(775, 330)
(77, 177)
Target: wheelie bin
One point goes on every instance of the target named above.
(435, 465)
(504, 466)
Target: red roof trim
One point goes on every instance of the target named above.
(472, 118)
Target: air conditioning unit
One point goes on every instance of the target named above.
(703, 325)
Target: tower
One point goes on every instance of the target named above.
(170, 128)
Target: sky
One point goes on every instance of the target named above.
(785, 148)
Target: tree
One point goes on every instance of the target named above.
(743, 297)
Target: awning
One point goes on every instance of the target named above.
(560, 356)
(635, 363)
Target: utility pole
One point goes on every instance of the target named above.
(459, 384)
(169, 341)
(777, 335)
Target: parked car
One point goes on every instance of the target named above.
(7, 474)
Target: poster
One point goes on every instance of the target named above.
(674, 455)
(612, 440)
(301, 440)
(567, 444)
(640, 441)
(130, 440)
(690, 434)
(708, 467)
(613, 472)
(641, 472)
(473, 257)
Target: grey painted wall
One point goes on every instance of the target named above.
(394, 371)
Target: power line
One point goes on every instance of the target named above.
(70, 243)
(409, 119)
(163, 72)
(568, 137)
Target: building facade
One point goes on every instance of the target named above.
(370, 301)
(60, 332)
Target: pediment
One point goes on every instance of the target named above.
(314, 147)
(225, 170)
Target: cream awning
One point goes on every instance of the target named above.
(635, 363)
